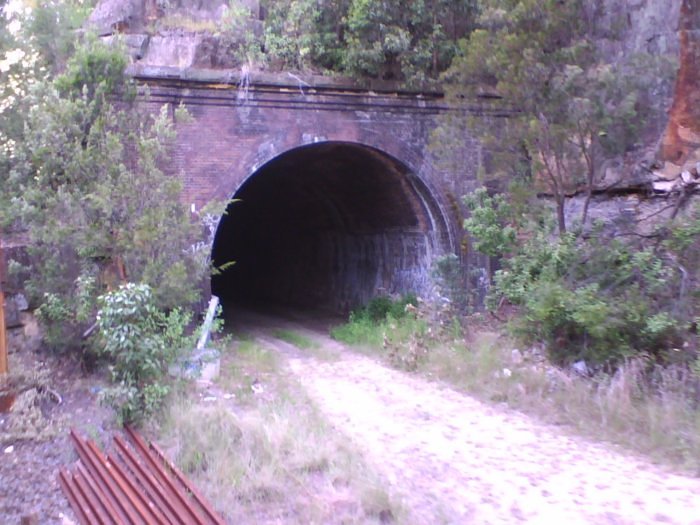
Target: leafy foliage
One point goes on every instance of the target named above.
(597, 299)
(362, 326)
(99, 212)
(572, 108)
(292, 33)
(407, 41)
(412, 41)
(140, 341)
(487, 223)
(379, 308)
(80, 175)
(237, 27)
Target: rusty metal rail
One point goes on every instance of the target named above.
(133, 485)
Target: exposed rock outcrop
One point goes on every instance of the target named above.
(192, 50)
(177, 33)
(681, 141)
(118, 16)
(639, 26)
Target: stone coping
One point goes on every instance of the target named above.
(278, 79)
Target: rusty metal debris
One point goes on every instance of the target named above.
(135, 484)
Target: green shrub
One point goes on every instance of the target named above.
(601, 301)
(596, 298)
(97, 209)
(380, 307)
(140, 342)
(370, 324)
(488, 223)
(359, 330)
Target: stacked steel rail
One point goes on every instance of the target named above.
(135, 484)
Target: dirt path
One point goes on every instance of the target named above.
(455, 460)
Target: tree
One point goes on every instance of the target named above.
(99, 212)
(34, 44)
(291, 32)
(410, 41)
(570, 107)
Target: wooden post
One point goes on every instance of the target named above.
(4, 368)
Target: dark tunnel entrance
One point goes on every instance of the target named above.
(329, 226)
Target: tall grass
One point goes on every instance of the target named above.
(650, 410)
(273, 458)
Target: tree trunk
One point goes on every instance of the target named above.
(561, 218)
(586, 204)
(435, 45)
(590, 177)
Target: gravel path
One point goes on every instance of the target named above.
(455, 460)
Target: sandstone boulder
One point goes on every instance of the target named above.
(117, 16)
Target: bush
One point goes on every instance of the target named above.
(140, 342)
(363, 322)
(98, 210)
(596, 298)
(601, 301)
(379, 308)
(393, 326)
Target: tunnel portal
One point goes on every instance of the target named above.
(327, 225)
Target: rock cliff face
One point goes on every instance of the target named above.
(667, 165)
(177, 33)
(183, 33)
(113, 16)
(681, 141)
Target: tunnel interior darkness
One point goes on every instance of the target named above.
(328, 225)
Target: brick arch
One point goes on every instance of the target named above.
(419, 171)
(329, 223)
(229, 137)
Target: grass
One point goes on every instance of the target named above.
(653, 412)
(296, 339)
(29, 417)
(270, 457)
(382, 319)
(364, 332)
(247, 365)
(310, 346)
(404, 339)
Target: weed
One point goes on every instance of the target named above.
(250, 353)
(406, 342)
(359, 330)
(142, 342)
(654, 409)
(27, 418)
(244, 367)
